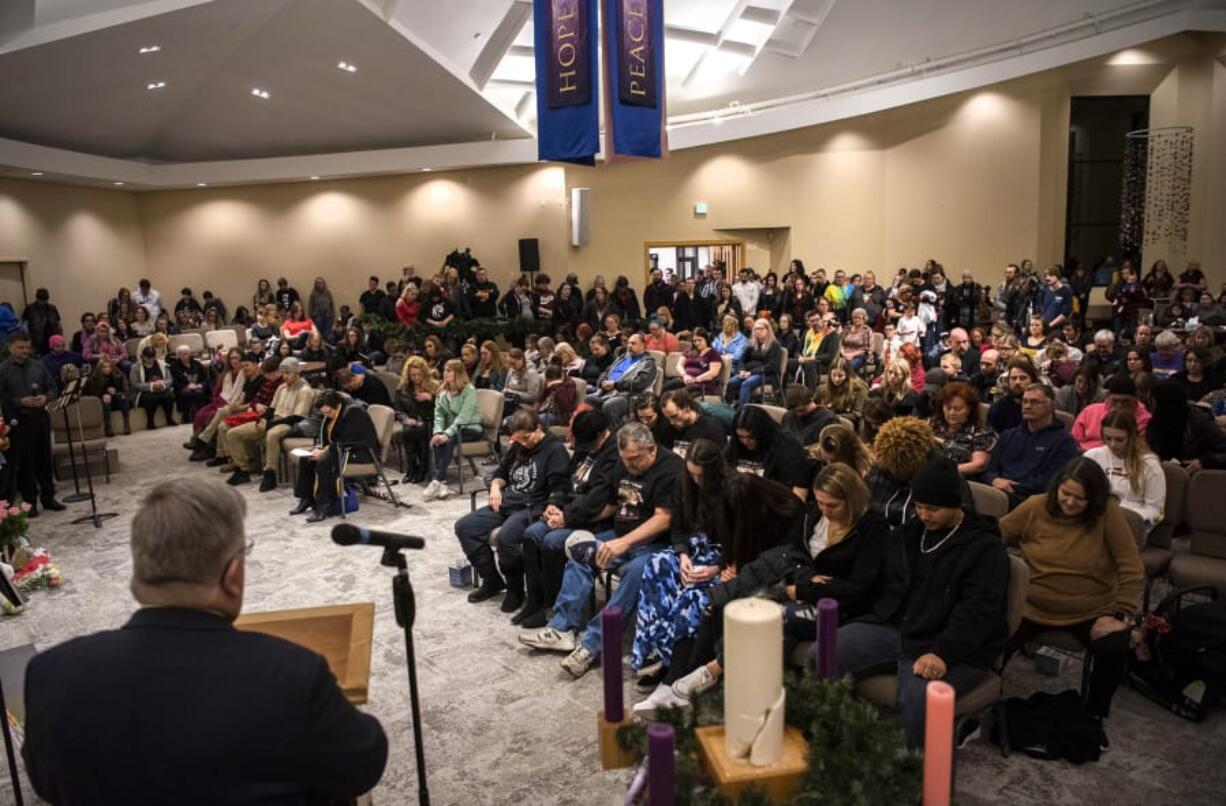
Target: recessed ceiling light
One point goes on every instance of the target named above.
(314, 178)
(36, 173)
(347, 67)
(259, 93)
(117, 184)
(155, 85)
(150, 49)
(202, 184)
(426, 170)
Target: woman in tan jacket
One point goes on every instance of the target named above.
(1086, 575)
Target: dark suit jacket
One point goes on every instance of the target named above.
(179, 707)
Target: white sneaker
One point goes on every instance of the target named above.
(431, 490)
(550, 640)
(694, 683)
(646, 709)
(579, 661)
(442, 492)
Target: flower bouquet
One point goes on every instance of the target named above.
(14, 524)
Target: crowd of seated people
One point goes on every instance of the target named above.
(873, 415)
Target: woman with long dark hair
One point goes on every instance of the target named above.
(1086, 574)
(676, 581)
(694, 663)
(761, 448)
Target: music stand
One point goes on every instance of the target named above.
(72, 396)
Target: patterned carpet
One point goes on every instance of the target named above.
(503, 725)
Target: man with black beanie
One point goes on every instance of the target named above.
(942, 615)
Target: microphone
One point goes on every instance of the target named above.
(346, 534)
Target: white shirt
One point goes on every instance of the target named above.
(820, 537)
(1149, 500)
(747, 294)
(152, 302)
(909, 330)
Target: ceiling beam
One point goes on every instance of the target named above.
(501, 42)
(77, 26)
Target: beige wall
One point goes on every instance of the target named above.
(79, 243)
(975, 180)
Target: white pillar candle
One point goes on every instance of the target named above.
(753, 680)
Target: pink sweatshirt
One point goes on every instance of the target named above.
(1088, 427)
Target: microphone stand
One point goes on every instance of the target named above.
(406, 612)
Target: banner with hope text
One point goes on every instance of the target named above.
(567, 80)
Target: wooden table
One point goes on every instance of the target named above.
(341, 633)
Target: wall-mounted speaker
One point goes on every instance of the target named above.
(580, 215)
(529, 254)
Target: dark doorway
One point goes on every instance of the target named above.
(1097, 126)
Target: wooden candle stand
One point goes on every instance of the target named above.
(733, 775)
(612, 755)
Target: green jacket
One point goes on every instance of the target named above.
(453, 412)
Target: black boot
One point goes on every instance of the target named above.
(203, 454)
(491, 582)
(127, 424)
(534, 608)
(553, 566)
(515, 587)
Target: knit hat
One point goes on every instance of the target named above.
(937, 484)
(56, 341)
(587, 428)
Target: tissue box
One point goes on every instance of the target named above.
(1048, 662)
(460, 574)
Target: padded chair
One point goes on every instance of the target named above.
(490, 404)
(240, 332)
(724, 374)
(193, 340)
(672, 365)
(776, 412)
(1206, 516)
(85, 419)
(133, 346)
(1065, 419)
(384, 419)
(390, 380)
(878, 347)
(989, 500)
(658, 385)
(1156, 555)
(562, 431)
(775, 391)
(226, 339)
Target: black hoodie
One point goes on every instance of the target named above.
(591, 475)
(951, 599)
(532, 476)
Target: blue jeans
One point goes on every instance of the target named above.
(865, 649)
(577, 583)
(444, 453)
(742, 388)
(546, 538)
(473, 531)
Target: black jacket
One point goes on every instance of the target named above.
(952, 601)
(534, 476)
(180, 707)
(355, 430)
(591, 476)
(855, 565)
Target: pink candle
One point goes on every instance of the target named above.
(611, 663)
(938, 744)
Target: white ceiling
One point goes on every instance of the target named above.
(448, 83)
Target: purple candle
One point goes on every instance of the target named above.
(660, 764)
(611, 657)
(827, 626)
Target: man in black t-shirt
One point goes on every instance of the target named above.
(689, 422)
(640, 504)
(285, 295)
(483, 296)
(372, 298)
(805, 419)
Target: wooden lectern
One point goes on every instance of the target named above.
(341, 633)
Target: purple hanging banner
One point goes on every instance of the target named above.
(636, 62)
(567, 69)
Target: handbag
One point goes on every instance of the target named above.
(349, 499)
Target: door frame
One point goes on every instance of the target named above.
(649, 245)
(25, 287)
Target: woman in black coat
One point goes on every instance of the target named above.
(1184, 432)
(625, 302)
(347, 428)
(761, 447)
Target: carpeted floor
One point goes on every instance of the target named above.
(503, 725)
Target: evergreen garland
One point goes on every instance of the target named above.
(458, 330)
(856, 757)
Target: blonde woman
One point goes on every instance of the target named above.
(1134, 471)
(415, 410)
(572, 364)
(895, 387)
(456, 419)
(158, 342)
(759, 365)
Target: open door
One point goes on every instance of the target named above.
(684, 259)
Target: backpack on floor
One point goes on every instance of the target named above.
(349, 500)
(1050, 727)
(1181, 663)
